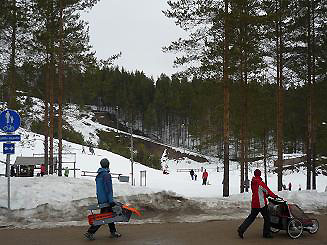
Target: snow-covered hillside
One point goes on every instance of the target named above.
(51, 200)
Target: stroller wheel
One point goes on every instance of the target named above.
(294, 228)
(315, 226)
(274, 230)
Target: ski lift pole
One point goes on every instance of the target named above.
(132, 161)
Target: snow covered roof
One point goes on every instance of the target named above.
(31, 160)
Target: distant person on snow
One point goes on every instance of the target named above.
(42, 170)
(12, 171)
(284, 187)
(104, 195)
(247, 184)
(204, 177)
(91, 149)
(260, 191)
(192, 173)
(66, 173)
(165, 171)
(195, 177)
(290, 186)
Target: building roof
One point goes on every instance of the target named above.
(31, 160)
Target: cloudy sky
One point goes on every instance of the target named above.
(138, 29)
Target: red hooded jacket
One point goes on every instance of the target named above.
(42, 168)
(260, 191)
(205, 175)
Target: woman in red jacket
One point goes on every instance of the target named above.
(260, 191)
(204, 177)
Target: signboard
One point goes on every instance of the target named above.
(9, 121)
(8, 148)
(9, 137)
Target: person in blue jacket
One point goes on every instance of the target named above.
(104, 195)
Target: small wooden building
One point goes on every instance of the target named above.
(25, 166)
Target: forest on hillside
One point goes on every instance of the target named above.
(255, 76)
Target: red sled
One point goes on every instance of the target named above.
(121, 213)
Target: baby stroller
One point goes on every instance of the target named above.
(290, 217)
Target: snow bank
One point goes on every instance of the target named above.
(57, 201)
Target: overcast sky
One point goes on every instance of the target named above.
(138, 29)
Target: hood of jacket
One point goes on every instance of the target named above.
(103, 170)
(256, 180)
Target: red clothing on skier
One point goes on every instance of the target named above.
(205, 175)
(260, 192)
(42, 169)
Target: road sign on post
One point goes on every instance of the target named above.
(9, 121)
(9, 137)
(8, 148)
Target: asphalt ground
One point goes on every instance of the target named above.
(204, 233)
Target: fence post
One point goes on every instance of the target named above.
(141, 177)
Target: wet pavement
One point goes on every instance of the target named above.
(210, 232)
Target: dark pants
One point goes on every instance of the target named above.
(204, 181)
(93, 228)
(249, 220)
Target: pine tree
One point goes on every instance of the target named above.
(13, 36)
(54, 21)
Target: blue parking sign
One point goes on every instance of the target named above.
(9, 121)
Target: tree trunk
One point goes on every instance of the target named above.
(244, 169)
(246, 139)
(242, 158)
(310, 96)
(61, 89)
(314, 117)
(242, 138)
(226, 104)
(52, 75)
(246, 164)
(46, 119)
(279, 98)
(265, 154)
(12, 69)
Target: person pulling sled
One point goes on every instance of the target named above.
(105, 196)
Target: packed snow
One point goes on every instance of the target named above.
(56, 201)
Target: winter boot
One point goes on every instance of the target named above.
(115, 235)
(240, 233)
(89, 236)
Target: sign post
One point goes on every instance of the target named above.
(9, 123)
(8, 178)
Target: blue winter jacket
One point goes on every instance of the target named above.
(104, 186)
